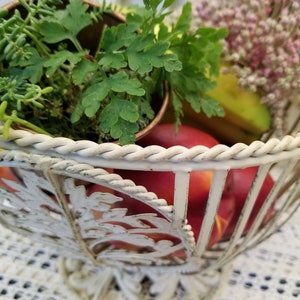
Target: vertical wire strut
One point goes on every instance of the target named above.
(213, 202)
(181, 193)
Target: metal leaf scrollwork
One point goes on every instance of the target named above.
(136, 284)
(87, 220)
(33, 209)
(112, 233)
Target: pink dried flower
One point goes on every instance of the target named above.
(263, 46)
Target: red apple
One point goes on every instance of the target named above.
(133, 207)
(136, 207)
(6, 173)
(242, 180)
(222, 219)
(162, 183)
(94, 188)
(166, 136)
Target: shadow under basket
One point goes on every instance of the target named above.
(65, 194)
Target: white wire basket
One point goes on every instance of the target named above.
(50, 201)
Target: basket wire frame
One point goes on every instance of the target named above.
(56, 165)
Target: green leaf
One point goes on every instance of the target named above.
(66, 24)
(199, 53)
(144, 55)
(137, 18)
(138, 60)
(184, 21)
(152, 4)
(77, 17)
(119, 118)
(190, 85)
(113, 61)
(172, 63)
(118, 108)
(145, 108)
(124, 131)
(115, 38)
(33, 66)
(178, 110)
(56, 60)
(53, 31)
(212, 34)
(212, 107)
(129, 111)
(74, 17)
(163, 32)
(93, 96)
(82, 70)
(123, 108)
(3, 12)
(120, 82)
(109, 116)
(77, 112)
(189, 80)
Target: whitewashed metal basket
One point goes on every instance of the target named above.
(51, 204)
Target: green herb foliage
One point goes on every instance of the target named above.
(51, 82)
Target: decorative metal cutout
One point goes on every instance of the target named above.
(92, 221)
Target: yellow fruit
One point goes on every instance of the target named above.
(221, 128)
(242, 108)
(246, 118)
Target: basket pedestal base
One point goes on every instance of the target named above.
(95, 283)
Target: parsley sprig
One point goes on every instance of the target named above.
(50, 81)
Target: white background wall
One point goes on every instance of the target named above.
(2, 2)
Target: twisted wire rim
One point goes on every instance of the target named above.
(154, 153)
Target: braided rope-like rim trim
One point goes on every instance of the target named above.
(84, 171)
(132, 152)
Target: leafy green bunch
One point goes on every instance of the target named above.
(52, 82)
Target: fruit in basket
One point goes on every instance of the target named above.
(242, 180)
(96, 188)
(162, 183)
(246, 117)
(137, 241)
(243, 108)
(6, 173)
